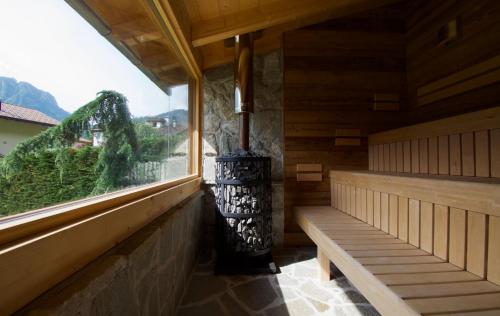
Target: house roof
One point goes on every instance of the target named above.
(19, 113)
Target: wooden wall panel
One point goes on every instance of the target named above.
(393, 215)
(384, 212)
(399, 157)
(441, 215)
(426, 226)
(414, 222)
(495, 152)
(433, 155)
(407, 156)
(455, 155)
(458, 232)
(476, 243)
(443, 155)
(423, 155)
(468, 154)
(427, 61)
(376, 209)
(393, 163)
(415, 157)
(494, 249)
(369, 207)
(403, 218)
(363, 205)
(482, 144)
(331, 72)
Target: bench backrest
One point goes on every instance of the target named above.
(465, 145)
(458, 221)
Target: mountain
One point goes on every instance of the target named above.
(25, 94)
(181, 117)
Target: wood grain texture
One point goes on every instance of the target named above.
(458, 236)
(494, 249)
(376, 209)
(423, 155)
(393, 215)
(403, 218)
(455, 155)
(470, 195)
(407, 166)
(387, 157)
(495, 152)
(482, 144)
(476, 243)
(415, 156)
(468, 168)
(441, 217)
(426, 226)
(392, 156)
(433, 155)
(369, 206)
(384, 212)
(443, 155)
(330, 75)
(414, 222)
(399, 157)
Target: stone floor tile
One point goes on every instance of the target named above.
(294, 291)
(211, 308)
(256, 294)
(232, 306)
(316, 292)
(285, 280)
(319, 306)
(202, 287)
(302, 271)
(294, 308)
(355, 310)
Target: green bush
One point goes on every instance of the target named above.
(48, 177)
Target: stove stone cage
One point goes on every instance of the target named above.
(244, 203)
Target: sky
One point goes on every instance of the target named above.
(46, 43)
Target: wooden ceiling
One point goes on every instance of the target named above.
(143, 27)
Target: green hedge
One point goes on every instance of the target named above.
(46, 179)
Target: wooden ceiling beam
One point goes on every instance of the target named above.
(275, 13)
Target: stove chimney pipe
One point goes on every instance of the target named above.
(243, 85)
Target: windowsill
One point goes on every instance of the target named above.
(43, 247)
(21, 225)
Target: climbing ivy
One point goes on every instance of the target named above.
(49, 153)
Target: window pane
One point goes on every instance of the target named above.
(78, 119)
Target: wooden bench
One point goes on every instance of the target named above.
(412, 246)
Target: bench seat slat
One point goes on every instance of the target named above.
(396, 277)
(456, 303)
(399, 260)
(411, 268)
(377, 247)
(387, 253)
(365, 241)
(427, 278)
(444, 289)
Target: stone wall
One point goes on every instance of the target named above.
(221, 127)
(144, 275)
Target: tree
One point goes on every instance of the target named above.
(109, 113)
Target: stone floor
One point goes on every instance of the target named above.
(294, 291)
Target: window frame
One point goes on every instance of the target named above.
(59, 240)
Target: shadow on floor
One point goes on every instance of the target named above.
(295, 291)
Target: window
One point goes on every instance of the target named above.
(79, 118)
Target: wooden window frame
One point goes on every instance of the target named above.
(41, 248)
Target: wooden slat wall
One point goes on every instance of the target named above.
(457, 148)
(467, 239)
(331, 73)
(428, 62)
